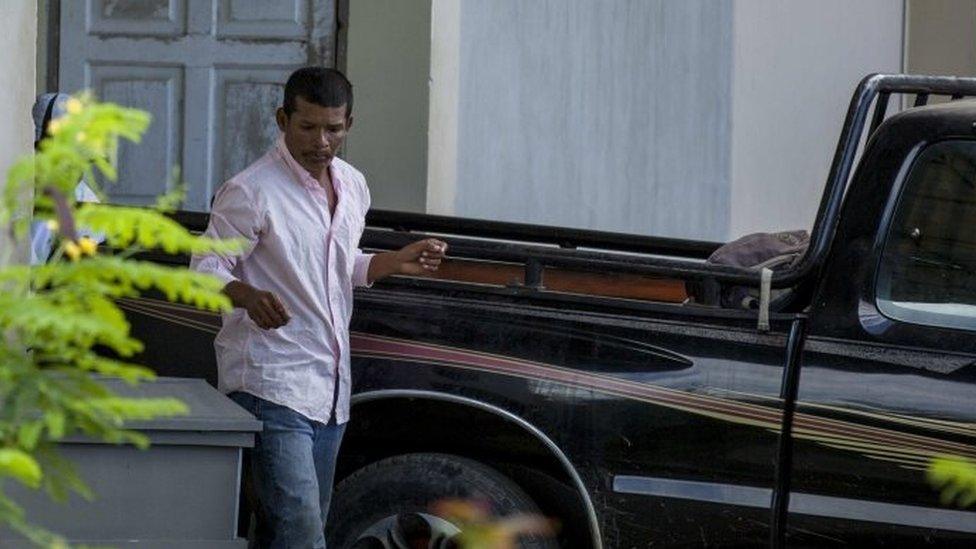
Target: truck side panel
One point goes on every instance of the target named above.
(671, 425)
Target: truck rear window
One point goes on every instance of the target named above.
(928, 267)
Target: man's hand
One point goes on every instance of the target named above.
(264, 308)
(421, 257)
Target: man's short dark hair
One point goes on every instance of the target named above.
(319, 85)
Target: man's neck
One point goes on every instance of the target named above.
(325, 178)
(325, 181)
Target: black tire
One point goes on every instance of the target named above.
(555, 499)
(408, 484)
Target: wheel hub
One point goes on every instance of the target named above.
(409, 531)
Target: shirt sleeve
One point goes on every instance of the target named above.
(234, 215)
(360, 270)
(41, 239)
(84, 193)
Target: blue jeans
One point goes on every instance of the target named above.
(292, 470)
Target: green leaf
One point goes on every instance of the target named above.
(956, 478)
(62, 477)
(55, 423)
(171, 201)
(20, 465)
(124, 226)
(29, 433)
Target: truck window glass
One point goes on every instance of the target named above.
(928, 268)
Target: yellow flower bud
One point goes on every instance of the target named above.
(54, 126)
(87, 245)
(72, 251)
(73, 106)
(80, 137)
(53, 225)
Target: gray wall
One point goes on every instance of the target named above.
(609, 115)
(796, 64)
(942, 37)
(43, 38)
(388, 63)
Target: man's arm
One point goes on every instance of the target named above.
(234, 215)
(421, 257)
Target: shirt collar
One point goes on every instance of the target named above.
(300, 173)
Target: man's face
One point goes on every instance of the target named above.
(313, 134)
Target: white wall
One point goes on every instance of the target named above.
(795, 66)
(697, 119)
(18, 28)
(609, 115)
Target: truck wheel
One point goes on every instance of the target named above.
(387, 504)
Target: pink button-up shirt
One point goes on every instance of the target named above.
(311, 261)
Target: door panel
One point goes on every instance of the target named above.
(262, 19)
(210, 72)
(244, 98)
(144, 168)
(866, 429)
(137, 17)
(889, 371)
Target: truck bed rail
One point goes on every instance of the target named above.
(675, 257)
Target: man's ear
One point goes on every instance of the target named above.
(281, 118)
(349, 122)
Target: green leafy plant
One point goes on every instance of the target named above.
(61, 333)
(956, 478)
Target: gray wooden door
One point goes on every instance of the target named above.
(211, 72)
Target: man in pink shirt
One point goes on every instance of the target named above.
(283, 352)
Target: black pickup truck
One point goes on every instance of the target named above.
(596, 378)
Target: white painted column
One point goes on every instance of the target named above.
(442, 132)
(18, 31)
